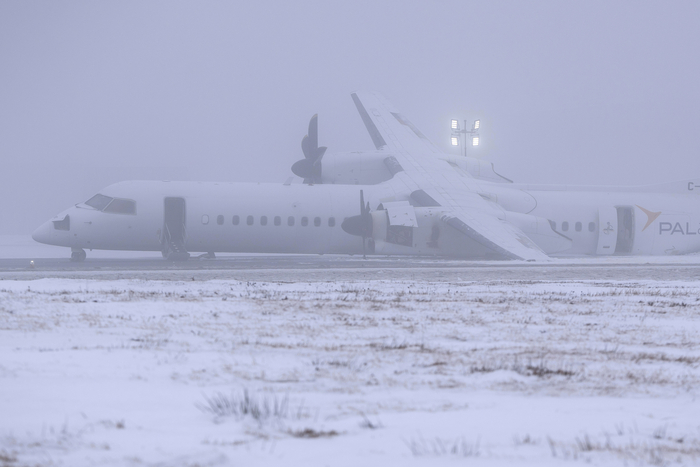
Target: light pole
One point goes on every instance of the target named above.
(457, 132)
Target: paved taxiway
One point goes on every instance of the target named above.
(337, 267)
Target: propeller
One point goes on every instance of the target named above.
(360, 225)
(309, 168)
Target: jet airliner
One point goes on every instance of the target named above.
(405, 198)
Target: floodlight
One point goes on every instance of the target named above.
(475, 141)
(455, 141)
(455, 124)
(476, 124)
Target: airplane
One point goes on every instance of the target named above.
(413, 198)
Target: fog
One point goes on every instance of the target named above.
(95, 92)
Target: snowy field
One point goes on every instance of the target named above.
(347, 373)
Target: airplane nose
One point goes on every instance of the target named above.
(41, 234)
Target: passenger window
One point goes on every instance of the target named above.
(263, 220)
(205, 219)
(578, 227)
(331, 222)
(591, 226)
(99, 202)
(278, 220)
(249, 220)
(290, 221)
(564, 226)
(236, 220)
(121, 206)
(220, 219)
(304, 221)
(317, 221)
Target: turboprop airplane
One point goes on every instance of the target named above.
(413, 200)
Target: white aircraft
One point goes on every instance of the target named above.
(413, 200)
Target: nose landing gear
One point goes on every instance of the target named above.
(77, 255)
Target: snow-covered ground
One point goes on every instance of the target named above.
(375, 373)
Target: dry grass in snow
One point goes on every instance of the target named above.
(222, 372)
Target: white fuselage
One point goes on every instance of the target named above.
(295, 218)
(210, 209)
(595, 221)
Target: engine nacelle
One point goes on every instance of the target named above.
(355, 168)
(369, 168)
(417, 232)
(477, 168)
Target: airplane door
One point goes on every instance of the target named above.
(607, 230)
(625, 230)
(174, 229)
(174, 218)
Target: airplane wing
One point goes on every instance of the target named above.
(432, 182)
(406, 136)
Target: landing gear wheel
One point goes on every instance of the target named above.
(78, 256)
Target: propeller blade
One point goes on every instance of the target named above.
(310, 168)
(366, 218)
(319, 153)
(303, 169)
(360, 225)
(313, 132)
(305, 147)
(309, 144)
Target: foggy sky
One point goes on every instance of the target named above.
(92, 93)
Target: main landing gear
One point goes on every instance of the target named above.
(77, 255)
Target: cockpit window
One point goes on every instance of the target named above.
(112, 205)
(99, 202)
(121, 206)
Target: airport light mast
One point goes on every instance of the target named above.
(457, 132)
